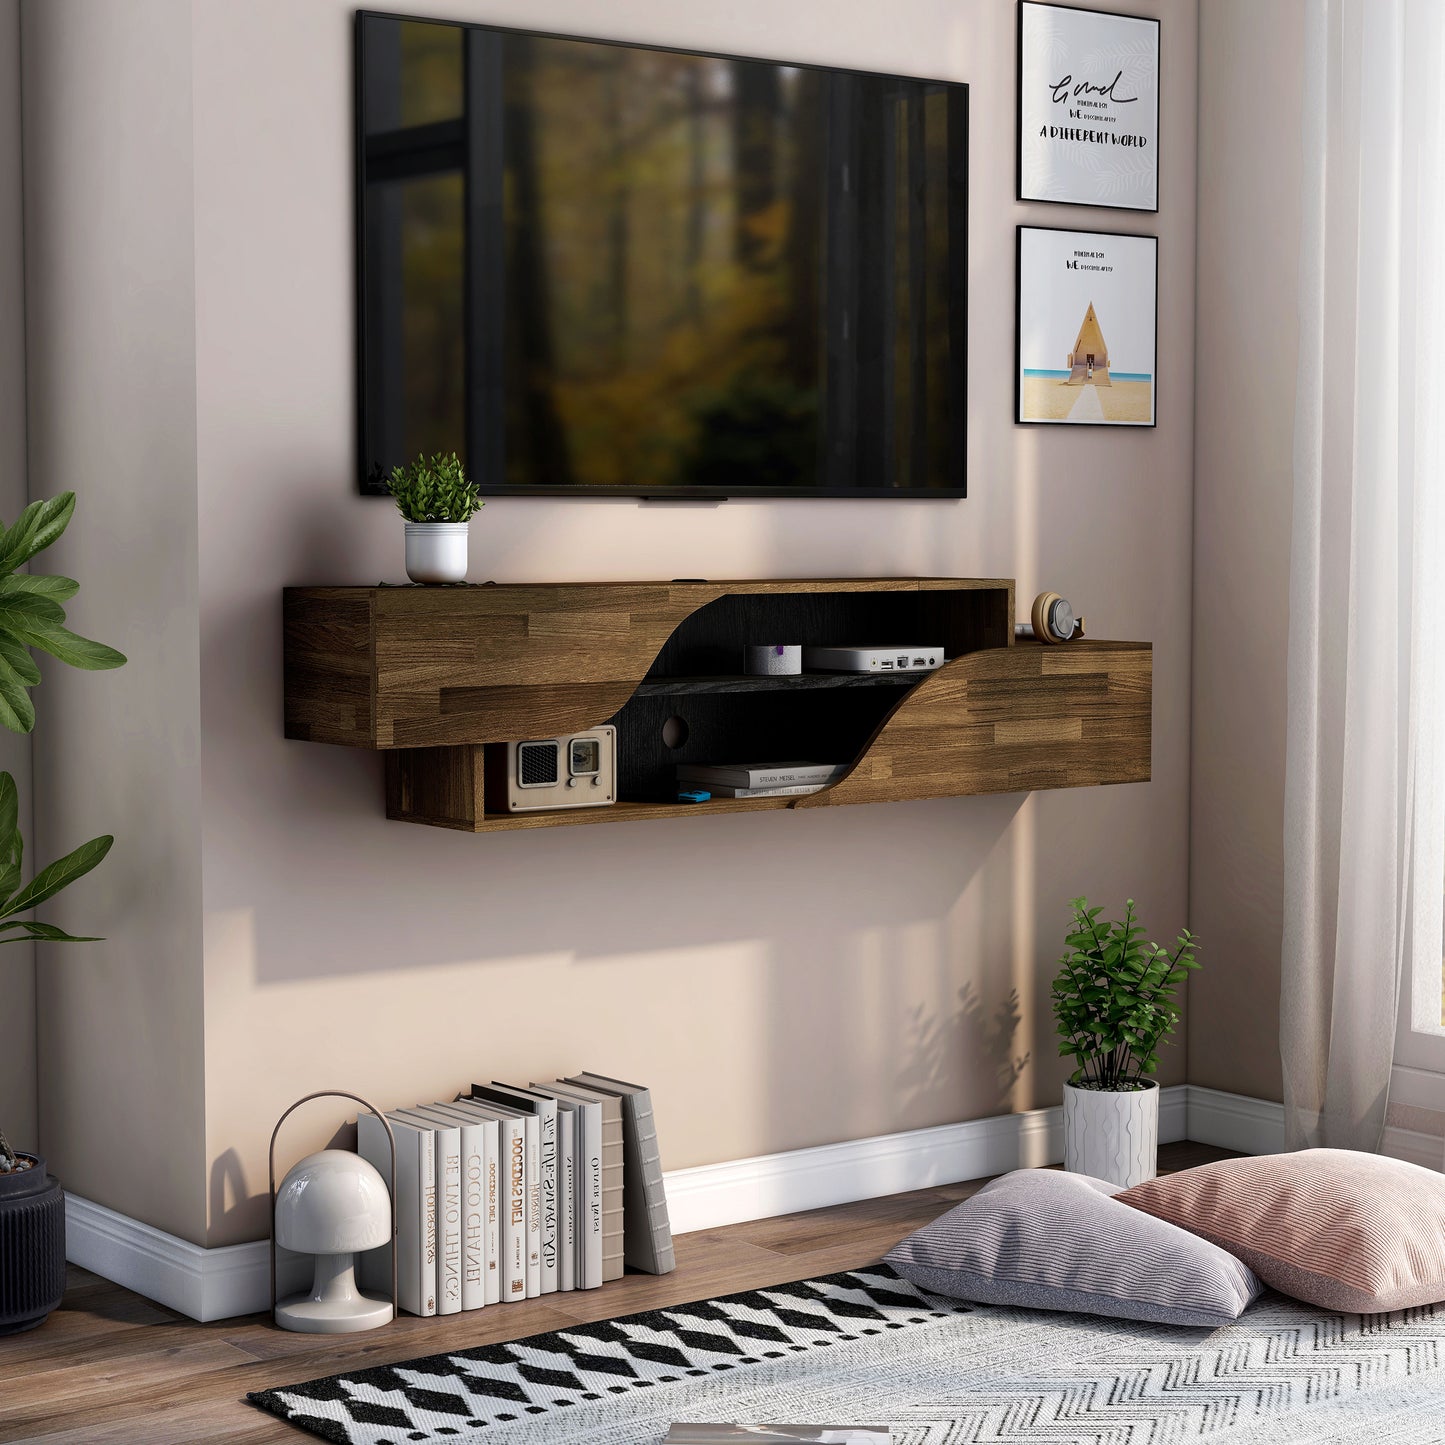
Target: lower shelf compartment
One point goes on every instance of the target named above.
(621, 811)
(1008, 719)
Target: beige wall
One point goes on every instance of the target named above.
(1250, 59)
(109, 216)
(17, 960)
(781, 981)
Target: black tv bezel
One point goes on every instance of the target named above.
(679, 494)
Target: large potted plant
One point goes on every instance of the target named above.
(1114, 1003)
(437, 503)
(32, 1205)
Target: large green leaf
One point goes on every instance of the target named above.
(41, 933)
(69, 647)
(59, 589)
(60, 874)
(28, 609)
(17, 712)
(20, 660)
(9, 814)
(34, 530)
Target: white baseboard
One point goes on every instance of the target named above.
(713, 1195)
(206, 1284)
(1235, 1121)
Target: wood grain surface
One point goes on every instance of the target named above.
(410, 667)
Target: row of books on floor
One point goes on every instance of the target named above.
(509, 1193)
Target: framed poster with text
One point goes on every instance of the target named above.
(1088, 327)
(1088, 107)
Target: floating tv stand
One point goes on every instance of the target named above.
(435, 676)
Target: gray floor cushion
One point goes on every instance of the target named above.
(1043, 1239)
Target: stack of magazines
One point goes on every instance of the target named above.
(759, 780)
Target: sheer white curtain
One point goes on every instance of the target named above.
(1364, 816)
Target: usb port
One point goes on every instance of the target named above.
(903, 661)
(886, 665)
(920, 662)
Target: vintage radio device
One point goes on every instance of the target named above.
(577, 770)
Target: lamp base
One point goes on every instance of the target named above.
(310, 1316)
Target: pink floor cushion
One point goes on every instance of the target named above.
(1342, 1230)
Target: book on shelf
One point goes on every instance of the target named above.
(566, 1194)
(609, 1176)
(785, 790)
(415, 1243)
(545, 1109)
(647, 1231)
(447, 1164)
(512, 1194)
(481, 1257)
(686, 1434)
(587, 1151)
(760, 775)
(532, 1179)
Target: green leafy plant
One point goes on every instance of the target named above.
(1114, 997)
(434, 489)
(31, 615)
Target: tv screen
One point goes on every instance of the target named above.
(589, 267)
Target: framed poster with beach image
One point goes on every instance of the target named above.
(1088, 107)
(1088, 324)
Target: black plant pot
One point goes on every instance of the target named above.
(32, 1246)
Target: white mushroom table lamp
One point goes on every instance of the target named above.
(332, 1204)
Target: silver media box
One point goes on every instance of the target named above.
(873, 659)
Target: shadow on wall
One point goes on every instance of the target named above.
(970, 1042)
(374, 894)
(233, 1203)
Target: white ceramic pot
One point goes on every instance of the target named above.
(436, 551)
(1112, 1134)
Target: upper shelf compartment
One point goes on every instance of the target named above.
(416, 667)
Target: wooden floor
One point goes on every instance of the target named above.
(110, 1366)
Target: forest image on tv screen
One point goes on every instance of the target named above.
(587, 265)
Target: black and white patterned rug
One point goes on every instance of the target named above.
(866, 1345)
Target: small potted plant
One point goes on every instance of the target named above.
(437, 502)
(1114, 1003)
(32, 1203)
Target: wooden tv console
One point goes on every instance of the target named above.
(436, 676)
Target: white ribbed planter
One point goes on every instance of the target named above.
(1112, 1134)
(436, 551)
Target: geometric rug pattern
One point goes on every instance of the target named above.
(867, 1347)
(447, 1397)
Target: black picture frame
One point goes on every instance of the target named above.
(371, 484)
(1019, 284)
(1091, 204)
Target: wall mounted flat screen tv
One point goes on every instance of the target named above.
(595, 268)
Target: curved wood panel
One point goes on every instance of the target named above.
(411, 667)
(1010, 720)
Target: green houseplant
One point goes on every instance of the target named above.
(437, 501)
(1114, 1005)
(32, 616)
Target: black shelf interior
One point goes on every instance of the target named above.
(696, 696)
(685, 686)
